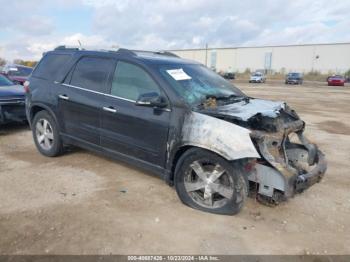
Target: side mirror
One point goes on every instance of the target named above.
(152, 99)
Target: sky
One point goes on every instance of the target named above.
(31, 27)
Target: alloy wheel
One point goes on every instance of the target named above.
(44, 134)
(208, 184)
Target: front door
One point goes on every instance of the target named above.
(137, 131)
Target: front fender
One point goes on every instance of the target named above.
(224, 138)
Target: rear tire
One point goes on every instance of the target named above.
(46, 135)
(207, 182)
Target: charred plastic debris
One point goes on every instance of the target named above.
(286, 162)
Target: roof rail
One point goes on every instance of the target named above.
(123, 51)
(63, 47)
(167, 53)
(164, 53)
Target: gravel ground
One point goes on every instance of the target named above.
(82, 203)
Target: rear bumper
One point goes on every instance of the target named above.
(335, 84)
(293, 81)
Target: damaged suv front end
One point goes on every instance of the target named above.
(288, 163)
(267, 134)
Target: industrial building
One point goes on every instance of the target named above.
(323, 58)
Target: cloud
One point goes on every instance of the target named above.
(220, 23)
(173, 24)
(33, 47)
(33, 25)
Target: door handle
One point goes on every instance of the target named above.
(110, 109)
(65, 97)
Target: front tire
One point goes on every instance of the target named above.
(206, 181)
(45, 134)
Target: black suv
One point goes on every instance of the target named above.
(294, 78)
(175, 118)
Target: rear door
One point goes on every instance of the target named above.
(81, 98)
(137, 131)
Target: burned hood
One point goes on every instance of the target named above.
(255, 114)
(248, 108)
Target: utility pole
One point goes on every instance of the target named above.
(206, 54)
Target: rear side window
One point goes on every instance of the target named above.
(50, 66)
(92, 73)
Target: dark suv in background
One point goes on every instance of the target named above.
(294, 78)
(175, 118)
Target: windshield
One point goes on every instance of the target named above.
(257, 74)
(336, 77)
(196, 83)
(293, 74)
(4, 81)
(20, 71)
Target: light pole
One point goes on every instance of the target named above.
(206, 54)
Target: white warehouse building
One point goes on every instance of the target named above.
(323, 58)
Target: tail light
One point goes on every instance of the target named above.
(26, 86)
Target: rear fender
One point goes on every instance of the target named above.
(44, 107)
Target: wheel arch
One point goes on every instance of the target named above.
(37, 107)
(185, 147)
(234, 203)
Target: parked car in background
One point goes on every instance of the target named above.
(336, 80)
(294, 78)
(229, 75)
(12, 102)
(174, 117)
(257, 77)
(18, 74)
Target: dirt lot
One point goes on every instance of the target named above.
(82, 203)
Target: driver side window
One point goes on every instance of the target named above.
(130, 81)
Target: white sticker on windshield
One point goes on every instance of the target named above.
(178, 74)
(13, 69)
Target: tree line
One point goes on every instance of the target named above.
(19, 62)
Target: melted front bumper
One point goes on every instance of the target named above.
(299, 164)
